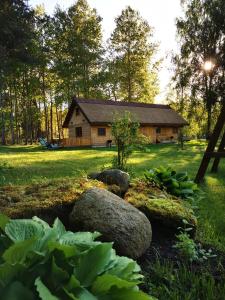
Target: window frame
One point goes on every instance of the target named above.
(158, 130)
(101, 128)
(78, 132)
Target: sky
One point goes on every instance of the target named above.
(160, 14)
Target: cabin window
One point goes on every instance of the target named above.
(77, 111)
(101, 131)
(78, 131)
(175, 130)
(158, 130)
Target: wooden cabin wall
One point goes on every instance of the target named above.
(97, 140)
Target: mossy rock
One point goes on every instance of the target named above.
(47, 200)
(160, 208)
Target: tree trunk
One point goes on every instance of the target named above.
(16, 113)
(51, 119)
(3, 139)
(45, 106)
(129, 78)
(58, 123)
(11, 118)
(209, 121)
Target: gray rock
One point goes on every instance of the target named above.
(117, 220)
(113, 177)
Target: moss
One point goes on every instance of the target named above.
(159, 206)
(49, 199)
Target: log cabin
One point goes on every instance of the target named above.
(89, 121)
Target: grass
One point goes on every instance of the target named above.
(29, 163)
(167, 280)
(22, 165)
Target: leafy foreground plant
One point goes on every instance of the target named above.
(188, 249)
(49, 263)
(177, 184)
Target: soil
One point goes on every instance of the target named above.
(162, 249)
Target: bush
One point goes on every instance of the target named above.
(126, 134)
(177, 184)
(42, 262)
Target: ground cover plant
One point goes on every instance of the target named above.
(49, 263)
(178, 184)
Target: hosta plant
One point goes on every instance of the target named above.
(49, 263)
(177, 184)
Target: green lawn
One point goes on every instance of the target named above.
(27, 164)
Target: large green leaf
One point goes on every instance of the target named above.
(17, 291)
(59, 228)
(3, 221)
(8, 272)
(126, 294)
(84, 294)
(126, 268)
(21, 230)
(40, 221)
(93, 263)
(17, 253)
(69, 294)
(105, 282)
(71, 238)
(43, 291)
(68, 251)
(58, 275)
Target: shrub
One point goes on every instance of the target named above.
(188, 248)
(125, 132)
(42, 262)
(177, 184)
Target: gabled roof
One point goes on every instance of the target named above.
(102, 112)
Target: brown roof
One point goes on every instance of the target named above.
(102, 112)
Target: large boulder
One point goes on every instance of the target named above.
(117, 221)
(113, 177)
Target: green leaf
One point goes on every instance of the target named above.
(17, 253)
(58, 275)
(105, 282)
(68, 251)
(125, 294)
(127, 269)
(40, 221)
(93, 263)
(8, 272)
(43, 291)
(59, 227)
(21, 230)
(17, 291)
(3, 221)
(70, 295)
(186, 191)
(84, 294)
(71, 238)
(72, 284)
